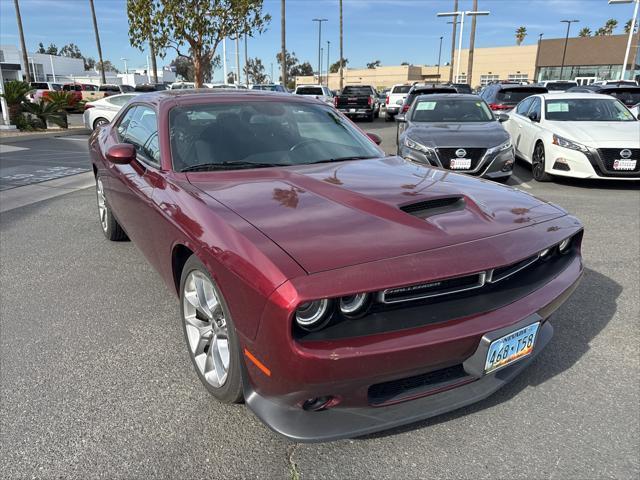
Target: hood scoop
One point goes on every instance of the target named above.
(434, 206)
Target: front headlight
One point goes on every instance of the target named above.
(412, 144)
(313, 315)
(565, 143)
(502, 147)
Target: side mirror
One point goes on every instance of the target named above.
(533, 116)
(376, 138)
(502, 117)
(400, 118)
(121, 153)
(399, 102)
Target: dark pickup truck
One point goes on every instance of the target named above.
(358, 101)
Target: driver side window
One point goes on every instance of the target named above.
(536, 108)
(523, 106)
(139, 128)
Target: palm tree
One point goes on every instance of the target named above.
(521, 32)
(25, 60)
(609, 26)
(585, 32)
(627, 26)
(15, 94)
(46, 112)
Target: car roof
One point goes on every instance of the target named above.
(207, 95)
(454, 96)
(573, 95)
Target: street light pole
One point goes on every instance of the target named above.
(103, 80)
(623, 71)
(453, 40)
(462, 15)
(328, 46)
(23, 47)
(472, 43)
(320, 20)
(535, 67)
(566, 40)
(224, 61)
(439, 57)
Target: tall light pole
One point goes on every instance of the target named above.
(328, 65)
(623, 72)
(238, 59)
(224, 61)
(320, 77)
(472, 43)
(126, 70)
(23, 47)
(103, 79)
(461, 14)
(341, 54)
(320, 20)
(535, 67)
(283, 45)
(453, 40)
(439, 57)
(566, 40)
(246, 61)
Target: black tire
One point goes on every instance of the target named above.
(231, 390)
(538, 164)
(99, 122)
(388, 118)
(110, 226)
(371, 117)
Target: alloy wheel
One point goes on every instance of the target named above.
(538, 162)
(102, 204)
(206, 329)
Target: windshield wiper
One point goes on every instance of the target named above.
(229, 166)
(343, 159)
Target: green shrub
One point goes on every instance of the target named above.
(15, 94)
(46, 111)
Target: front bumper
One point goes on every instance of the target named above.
(492, 166)
(349, 368)
(364, 112)
(585, 165)
(392, 110)
(337, 423)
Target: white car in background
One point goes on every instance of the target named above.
(319, 91)
(100, 112)
(395, 100)
(182, 85)
(582, 135)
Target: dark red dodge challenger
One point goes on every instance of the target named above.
(338, 291)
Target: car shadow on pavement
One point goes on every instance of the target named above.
(575, 324)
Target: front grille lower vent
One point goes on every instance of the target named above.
(434, 207)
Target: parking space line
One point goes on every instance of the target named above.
(520, 182)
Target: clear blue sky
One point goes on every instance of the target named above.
(391, 31)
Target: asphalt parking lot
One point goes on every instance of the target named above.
(96, 381)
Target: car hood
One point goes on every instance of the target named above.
(599, 134)
(473, 135)
(333, 215)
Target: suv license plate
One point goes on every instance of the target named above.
(624, 164)
(460, 163)
(511, 348)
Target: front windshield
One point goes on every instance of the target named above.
(451, 110)
(587, 110)
(249, 134)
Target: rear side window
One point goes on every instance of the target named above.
(401, 89)
(309, 91)
(355, 90)
(516, 95)
(628, 96)
(89, 88)
(72, 88)
(523, 106)
(109, 88)
(39, 86)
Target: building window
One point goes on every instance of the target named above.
(1, 56)
(571, 72)
(487, 79)
(518, 77)
(462, 78)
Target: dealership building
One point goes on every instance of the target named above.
(587, 59)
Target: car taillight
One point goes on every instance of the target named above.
(335, 101)
(370, 101)
(87, 106)
(386, 101)
(497, 106)
(405, 108)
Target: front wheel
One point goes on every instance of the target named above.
(538, 164)
(110, 226)
(210, 334)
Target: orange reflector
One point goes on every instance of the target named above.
(257, 363)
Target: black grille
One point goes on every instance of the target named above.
(504, 272)
(610, 155)
(434, 207)
(475, 154)
(433, 289)
(412, 386)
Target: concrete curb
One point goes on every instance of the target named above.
(35, 136)
(37, 192)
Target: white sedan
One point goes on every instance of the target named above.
(101, 112)
(582, 135)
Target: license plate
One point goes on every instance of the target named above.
(352, 110)
(624, 164)
(511, 348)
(460, 163)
